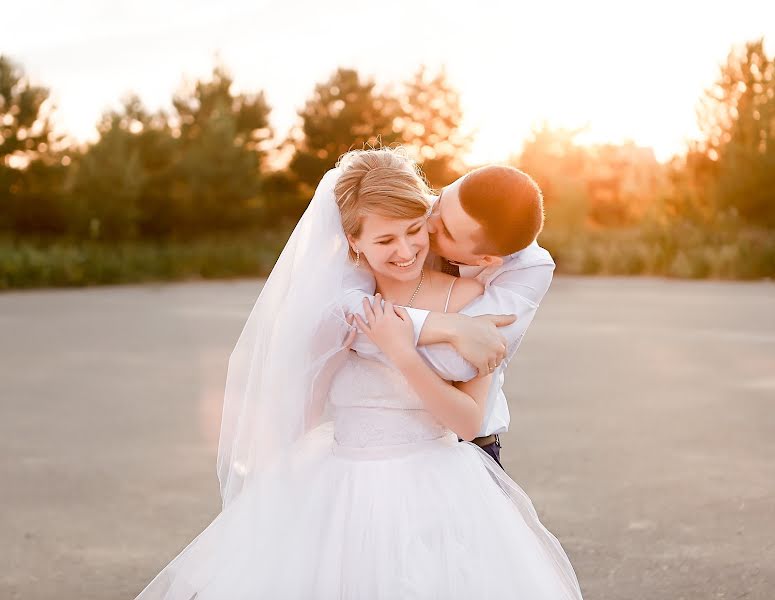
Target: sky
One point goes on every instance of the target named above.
(621, 70)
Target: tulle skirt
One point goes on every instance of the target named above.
(435, 519)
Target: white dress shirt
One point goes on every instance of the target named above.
(515, 287)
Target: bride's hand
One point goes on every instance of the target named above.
(390, 328)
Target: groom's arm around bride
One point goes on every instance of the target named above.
(508, 208)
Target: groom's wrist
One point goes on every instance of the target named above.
(439, 328)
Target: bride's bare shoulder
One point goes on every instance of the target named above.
(463, 292)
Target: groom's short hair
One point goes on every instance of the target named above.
(507, 203)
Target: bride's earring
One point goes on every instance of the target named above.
(357, 258)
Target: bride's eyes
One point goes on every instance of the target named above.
(412, 232)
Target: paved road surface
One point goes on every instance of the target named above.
(643, 429)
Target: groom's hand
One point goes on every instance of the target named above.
(478, 340)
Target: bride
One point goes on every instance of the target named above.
(342, 477)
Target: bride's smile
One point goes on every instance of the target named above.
(404, 265)
(394, 249)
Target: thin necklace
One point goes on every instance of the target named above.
(417, 289)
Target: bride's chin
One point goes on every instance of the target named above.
(402, 274)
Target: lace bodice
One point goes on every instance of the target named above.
(374, 405)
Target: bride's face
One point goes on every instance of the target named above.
(394, 248)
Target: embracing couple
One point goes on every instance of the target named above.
(359, 452)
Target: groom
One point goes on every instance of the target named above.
(484, 225)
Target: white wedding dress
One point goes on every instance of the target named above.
(382, 502)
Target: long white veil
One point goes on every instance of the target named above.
(295, 327)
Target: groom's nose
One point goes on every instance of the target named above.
(431, 223)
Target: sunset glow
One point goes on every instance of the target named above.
(619, 70)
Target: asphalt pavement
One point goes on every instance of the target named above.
(643, 429)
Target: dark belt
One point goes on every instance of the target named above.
(486, 440)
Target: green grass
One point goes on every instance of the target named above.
(689, 254)
(26, 264)
(743, 254)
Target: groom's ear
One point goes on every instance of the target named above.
(489, 260)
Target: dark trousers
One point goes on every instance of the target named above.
(494, 450)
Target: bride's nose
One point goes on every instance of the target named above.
(405, 251)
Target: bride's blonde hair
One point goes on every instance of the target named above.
(382, 181)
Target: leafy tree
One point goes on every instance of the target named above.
(429, 123)
(737, 116)
(558, 163)
(31, 174)
(602, 185)
(343, 113)
(25, 123)
(160, 176)
(223, 138)
(111, 176)
(209, 100)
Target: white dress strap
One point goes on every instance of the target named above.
(449, 294)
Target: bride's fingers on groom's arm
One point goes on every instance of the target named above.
(350, 337)
(500, 353)
(364, 327)
(502, 320)
(367, 311)
(377, 305)
(399, 311)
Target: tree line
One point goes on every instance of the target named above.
(708, 212)
(213, 164)
(203, 166)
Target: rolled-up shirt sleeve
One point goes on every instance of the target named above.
(363, 345)
(360, 284)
